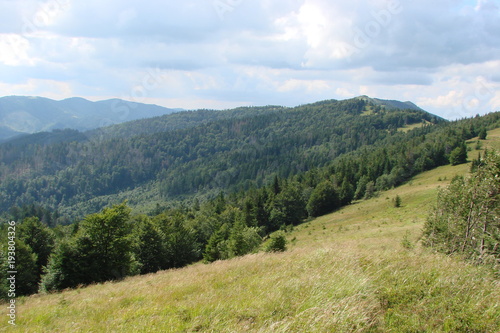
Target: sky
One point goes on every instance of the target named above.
(443, 55)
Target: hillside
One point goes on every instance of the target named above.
(26, 115)
(190, 154)
(360, 269)
(178, 121)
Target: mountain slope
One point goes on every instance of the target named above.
(26, 115)
(360, 269)
(177, 121)
(228, 154)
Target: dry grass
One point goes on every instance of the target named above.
(349, 271)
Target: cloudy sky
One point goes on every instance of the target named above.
(444, 55)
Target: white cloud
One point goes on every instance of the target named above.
(35, 87)
(14, 50)
(439, 54)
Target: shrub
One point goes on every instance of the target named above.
(466, 219)
(397, 201)
(276, 243)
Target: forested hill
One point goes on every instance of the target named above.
(25, 115)
(201, 152)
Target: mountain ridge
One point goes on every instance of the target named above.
(31, 114)
(178, 119)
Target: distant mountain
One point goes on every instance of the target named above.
(390, 104)
(26, 115)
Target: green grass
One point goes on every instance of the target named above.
(360, 269)
(408, 128)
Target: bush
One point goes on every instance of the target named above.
(276, 243)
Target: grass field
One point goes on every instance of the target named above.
(360, 269)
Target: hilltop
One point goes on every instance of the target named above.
(390, 104)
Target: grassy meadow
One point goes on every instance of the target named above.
(360, 269)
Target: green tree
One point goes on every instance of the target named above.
(397, 201)
(180, 241)
(361, 187)
(346, 192)
(466, 218)
(459, 155)
(482, 134)
(242, 239)
(100, 251)
(324, 199)
(151, 251)
(39, 238)
(370, 190)
(216, 247)
(64, 269)
(110, 245)
(287, 208)
(26, 278)
(236, 240)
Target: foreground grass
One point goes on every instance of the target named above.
(360, 269)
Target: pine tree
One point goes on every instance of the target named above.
(370, 190)
(215, 248)
(482, 134)
(361, 188)
(459, 155)
(65, 268)
(397, 201)
(346, 192)
(276, 185)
